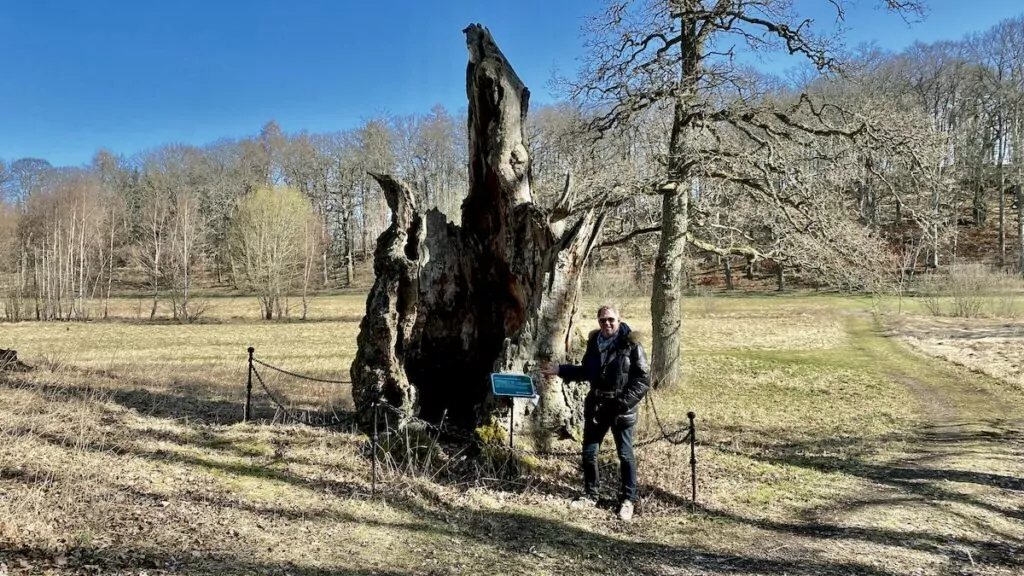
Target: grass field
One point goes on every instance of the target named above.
(827, 445)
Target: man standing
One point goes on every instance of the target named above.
(615, 365)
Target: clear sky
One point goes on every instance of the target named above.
(129, 74)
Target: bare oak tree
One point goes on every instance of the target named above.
(681, 55)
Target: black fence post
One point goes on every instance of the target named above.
(511, 420)
(693, 462)
(246, 413)
(376, 446)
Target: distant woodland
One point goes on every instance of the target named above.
(848, 177)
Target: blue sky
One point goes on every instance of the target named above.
(130, 75)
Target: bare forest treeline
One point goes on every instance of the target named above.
(934, 155)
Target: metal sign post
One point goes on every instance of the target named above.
(511, 419)
(512, 386)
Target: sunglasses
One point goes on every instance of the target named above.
(606, 320)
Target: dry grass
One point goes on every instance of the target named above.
(824, 448)
(203, 360)
(990, 346)
(971, 291)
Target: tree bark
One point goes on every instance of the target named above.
(1001, 178)
(348, 257)
(452, 304)
(1020, 229)
(666, 292)
(377, 371)
(979, 210)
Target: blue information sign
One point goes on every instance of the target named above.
(516, 385)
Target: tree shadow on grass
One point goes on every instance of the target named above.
(126, 561)
(275, 470)
(848, 455)
(965, 431)
(539, 539)
(914, 480)
(515, 533)
(519, 533)
(527, 543)
(193, 400)
(992, 552)
(523, 535)
(576, 549)
(907, 474)
(529, 535)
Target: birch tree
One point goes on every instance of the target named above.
(269, 246)
(186, 235)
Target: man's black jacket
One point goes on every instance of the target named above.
(618, 376)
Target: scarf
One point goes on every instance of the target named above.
(605, 343)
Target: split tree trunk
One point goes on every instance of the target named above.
(497, 293)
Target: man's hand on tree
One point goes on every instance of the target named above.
(550, 370)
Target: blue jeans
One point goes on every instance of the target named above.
(593, 434)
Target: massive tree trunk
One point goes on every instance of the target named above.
(497, 293)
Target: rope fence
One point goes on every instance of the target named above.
(683, 434)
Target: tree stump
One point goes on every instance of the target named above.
(496, 293)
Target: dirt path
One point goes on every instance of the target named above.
(951, 494)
